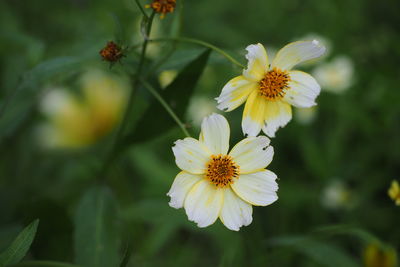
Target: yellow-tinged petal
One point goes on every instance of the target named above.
(235, 92)
(235, 212)
(203, 203)
(277, 114)
(303, 90)
(191, 155)
(252, 154)
(257, 62)
(253, 114)
(182, 184)
(258, 188)
(215, 133)
(297, 52)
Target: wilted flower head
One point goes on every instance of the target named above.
(112, 52)
(375, 255)
(216, 184)
(394, 192)
(335, 76)
(75, 122)
(163, 6)
(269, 89)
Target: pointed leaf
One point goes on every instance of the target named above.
(20, 246)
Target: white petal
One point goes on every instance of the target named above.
(253, 114)
(303, 89)
(277, 114)
(258, 62)
(203, 203)
(297, 52)
(235, 212)
(191, 155)
(258, 188)
(182, 184)
(215, 134)
(235, 92)
(252, 154)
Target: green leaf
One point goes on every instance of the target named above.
(44, 264)
(96, 229)
(156, 120)
(20, 246)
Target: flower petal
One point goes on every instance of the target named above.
(203, 203)
(297, 52)
(277, 114)
(235, 212)
(234, 93)
(191, 155)
(252, 154)
(258, 188)
(215, 134)
(182, 184)
(303, 89)
(258, 62)
(253, 114)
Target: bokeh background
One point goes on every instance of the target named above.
(59, 112)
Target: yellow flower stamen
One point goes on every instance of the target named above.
(221, 170)
(274, 83)
(163, 6)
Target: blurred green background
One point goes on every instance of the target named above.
(334, 168)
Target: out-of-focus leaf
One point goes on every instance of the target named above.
(322, 252)
(44, 264)
(347, 230)
(96, 229)
(20, 246)
(17, 105)
(156, 120)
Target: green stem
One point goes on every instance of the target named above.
(202, 43)
(165, 105)
(141, 9)
(135, 83)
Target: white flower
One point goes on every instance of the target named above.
(336, 195)
(335, 76)
(270, 89)
(216, 184)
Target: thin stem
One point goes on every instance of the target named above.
(165, 105)
(135, 83)
(202, 43)
(141, 9)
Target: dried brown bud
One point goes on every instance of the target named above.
(112, 52)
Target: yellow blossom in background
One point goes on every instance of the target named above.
(377, 256)
(306, 115)
(336, 195)
(216, 184)
(74, 121)
(335, 76)
(394, 192)
(166, 77)
(199, 108)
(270, 89)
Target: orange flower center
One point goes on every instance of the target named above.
(163, 6)
(274, 83)
(221, 170)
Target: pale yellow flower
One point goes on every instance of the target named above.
(79, 121)
(377, 256)
(335, 76)
(216, 184)
(199, 108)
(336, 195)
(306, 115)
(394, 192)
(270, 89)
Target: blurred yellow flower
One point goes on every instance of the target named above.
(377, 256)
(79, 121)
(336, 195)
(306, 115)
(269, 89)
(199, 108)
(162, 6)
(166, 77)
(216, 184)
(394, 192)
(335, 76)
